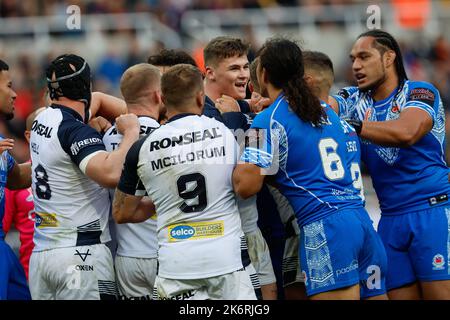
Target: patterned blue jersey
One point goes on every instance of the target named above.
(316, 168)
(405, 179)
(6, 164)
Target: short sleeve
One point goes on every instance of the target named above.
(424, 96)
(79, 140)
(258, 148)
(130, 183)
(346, 98)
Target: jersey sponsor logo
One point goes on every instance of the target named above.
(438, 199)
(46, 220)
(182, 296)
(144, 130)
(438, 262)
(77, 146)
(41, 129)
(84, 267)
(196, 230)
(182, 232)
(353, 266)
(423, 95)
(186, 138)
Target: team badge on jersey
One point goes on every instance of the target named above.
(395, 109)
(438, 262)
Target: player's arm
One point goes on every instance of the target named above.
(129, 203)
(107, 106)
(256, 161)
(409, 128)
(19, 177)
(130, 208)
(247, 180)
(105, 167)
(415, 120)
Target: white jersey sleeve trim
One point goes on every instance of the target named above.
(85, 161)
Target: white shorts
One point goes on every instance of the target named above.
(260, 257)
(291, 262)
(135, 277)
(230, 286)
(73, 273)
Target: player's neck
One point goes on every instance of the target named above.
(385, 89)
(151, 111)
(273, 92)
(212, 91)
(75, 105)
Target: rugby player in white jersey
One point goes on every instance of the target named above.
(186, 167)
(137, 246)
(227, 74)
(70, 167)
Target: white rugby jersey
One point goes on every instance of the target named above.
(71, 209)
(136, 240)
(186, 167)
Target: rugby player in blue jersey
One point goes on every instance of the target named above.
(13, 284)
(402, 128)
(313, 156)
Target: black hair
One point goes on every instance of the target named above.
(171, 57)
(318, 59)
(3, 66)
(383, 42)
(283, 61)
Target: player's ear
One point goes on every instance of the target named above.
(200, 98)
(250, 86)
(209, 73)
(265, 76)
(389, 57)
(157, 97)
(309, 80)
(27, 135)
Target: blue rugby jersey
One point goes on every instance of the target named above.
(405, 179)
(6, 164)
(316, 169)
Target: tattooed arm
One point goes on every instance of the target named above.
(131, 209)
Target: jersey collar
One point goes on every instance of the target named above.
(181, 115)
(68, 110)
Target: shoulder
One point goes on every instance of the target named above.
(347, 92)
(413, 86)
(421, 91)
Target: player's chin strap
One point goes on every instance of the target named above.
(74, 86)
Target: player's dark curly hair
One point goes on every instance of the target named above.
(283, 61)
(385, 41)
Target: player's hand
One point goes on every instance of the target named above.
(127, 123)
(227, 104)
(100, 124)
(6, 144)
(356, 124)
(258, 102)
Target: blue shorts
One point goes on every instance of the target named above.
(13, 283)
(343, 250)
(417, 246)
